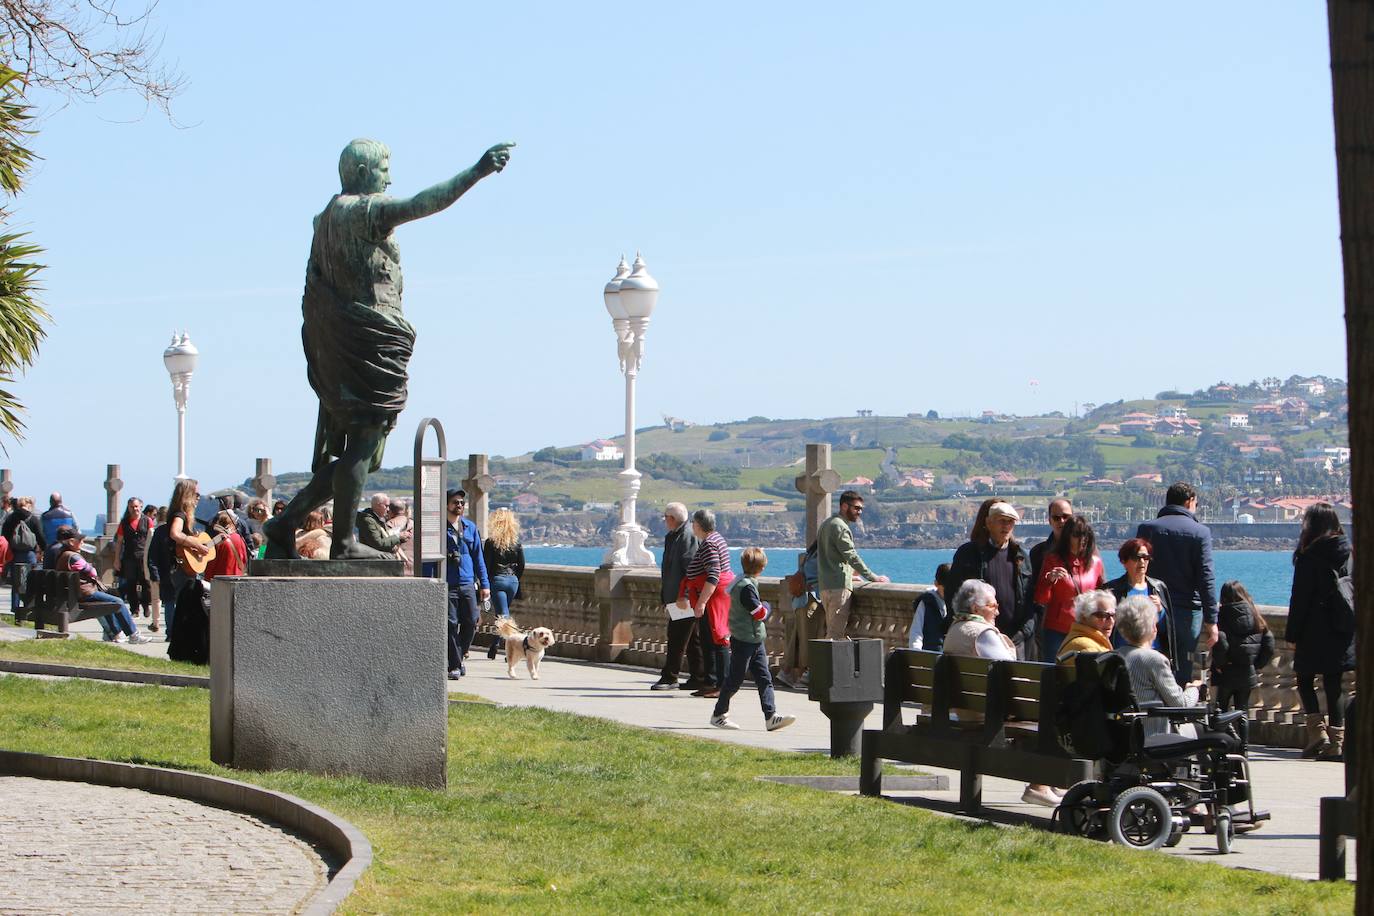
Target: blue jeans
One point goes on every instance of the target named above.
(119, 613)
(750, 656)
(1187, 627)
(169, 610)
(463, 616)
(503, 589)
(1050, 642)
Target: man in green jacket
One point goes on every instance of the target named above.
(373, 529)
(838, 560)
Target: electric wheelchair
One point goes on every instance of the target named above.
(1151, 789)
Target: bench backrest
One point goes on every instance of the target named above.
(1000, 690)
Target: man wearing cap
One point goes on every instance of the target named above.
(837, 561)
(993, 555)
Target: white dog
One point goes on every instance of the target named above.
(529, 646)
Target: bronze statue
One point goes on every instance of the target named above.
(357, 342)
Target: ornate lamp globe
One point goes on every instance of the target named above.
(614, 305)
(638, 291)
(180, 356)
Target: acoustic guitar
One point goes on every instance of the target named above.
(193, 565)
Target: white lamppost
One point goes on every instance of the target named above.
(630, 298)
(180, 359)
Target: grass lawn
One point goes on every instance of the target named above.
(548, 811)
(91, 654)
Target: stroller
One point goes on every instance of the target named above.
(1150, 787)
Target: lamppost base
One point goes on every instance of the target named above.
(629, 549)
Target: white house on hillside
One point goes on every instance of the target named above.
(602, 450)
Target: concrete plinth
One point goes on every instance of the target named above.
(330, 676)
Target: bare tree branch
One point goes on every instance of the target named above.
(85, 49)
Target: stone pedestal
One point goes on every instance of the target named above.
(846, 679)
(330, 676)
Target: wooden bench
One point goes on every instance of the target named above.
(980, 717)
(53, 598)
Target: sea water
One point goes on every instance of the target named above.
(1267, 574)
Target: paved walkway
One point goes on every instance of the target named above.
(1288, 786)
(77, 848)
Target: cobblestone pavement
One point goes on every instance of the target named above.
(77, 848)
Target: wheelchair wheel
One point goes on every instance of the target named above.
(1226, 831)
(1141, 819)
(1077, 813)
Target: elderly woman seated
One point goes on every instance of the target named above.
(973, 631)
(1094, 616)
(1152, 680)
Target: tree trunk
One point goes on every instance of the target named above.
(1351, 25)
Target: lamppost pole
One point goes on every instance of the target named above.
(180, 359)
(630, 297)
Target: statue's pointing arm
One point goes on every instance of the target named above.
(396, 210)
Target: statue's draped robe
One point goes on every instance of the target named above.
(357, 343)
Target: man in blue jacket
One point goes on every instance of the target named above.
(467, 582)
(1181, 549)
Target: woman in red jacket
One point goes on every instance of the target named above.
(1071, 568)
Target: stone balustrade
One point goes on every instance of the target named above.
(589, 617)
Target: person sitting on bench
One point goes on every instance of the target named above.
(974, 632)
(70, 560)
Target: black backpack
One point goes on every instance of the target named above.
(1340, 605)
(23, 539)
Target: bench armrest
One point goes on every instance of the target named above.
(1177, 712)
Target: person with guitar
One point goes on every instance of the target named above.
(186, 544)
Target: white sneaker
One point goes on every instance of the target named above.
(778, 722)
(120, 637)
(723, 722)
(138, 639)
(1034, 796)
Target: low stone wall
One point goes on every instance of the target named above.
(624, 622)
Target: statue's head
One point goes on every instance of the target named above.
(365, 167)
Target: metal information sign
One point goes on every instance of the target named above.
(431, 480)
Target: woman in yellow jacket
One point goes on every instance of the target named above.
(1094, 616)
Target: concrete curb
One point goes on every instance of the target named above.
(104, 674)
(332, 832)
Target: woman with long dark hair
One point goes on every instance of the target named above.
(130, 550)
(1321, 627)
(1072, 568)
(1244, 645)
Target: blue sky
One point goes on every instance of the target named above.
(901, 207)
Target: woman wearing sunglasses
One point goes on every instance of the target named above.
(1135, 555)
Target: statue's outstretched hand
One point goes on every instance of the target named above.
(495, 159)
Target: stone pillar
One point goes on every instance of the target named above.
(104, 542)
(6, 488)
(615, 630)
(264, 481)
(113, 486)
(478, 485)
(817, 482)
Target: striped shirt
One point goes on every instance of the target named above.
(712, 558)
